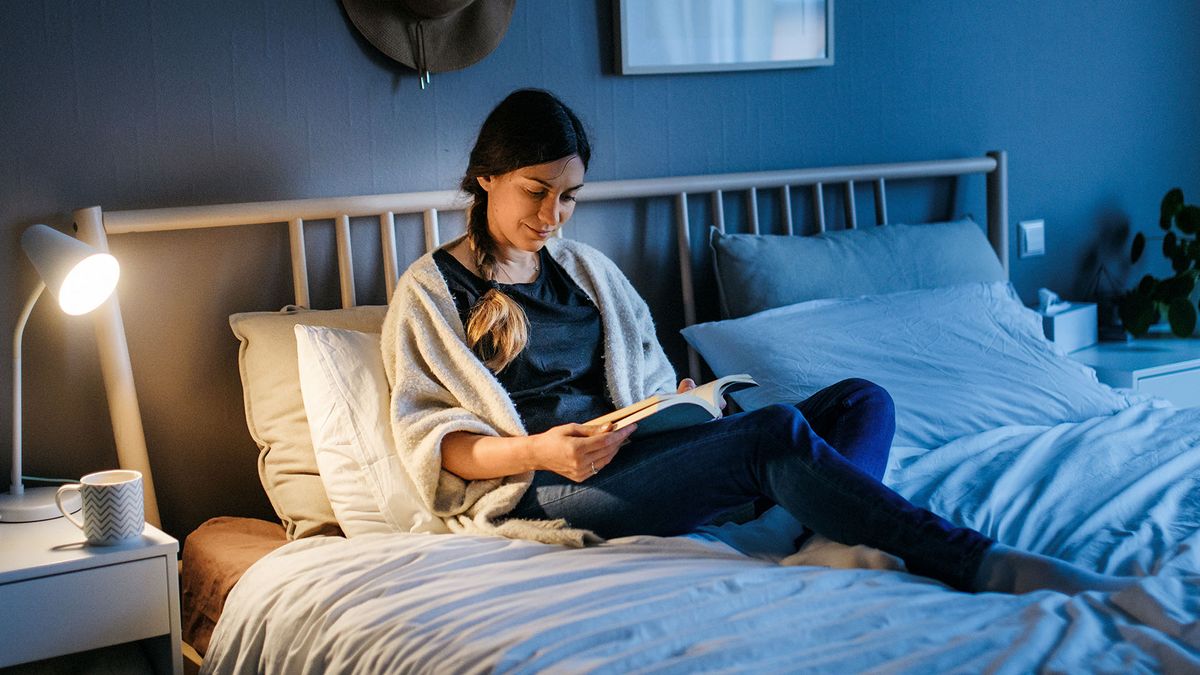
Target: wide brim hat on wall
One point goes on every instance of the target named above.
(432, 36)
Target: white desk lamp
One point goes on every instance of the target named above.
(81, 278)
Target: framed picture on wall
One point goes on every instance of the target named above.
(691, 36)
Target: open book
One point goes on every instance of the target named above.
(667, 412)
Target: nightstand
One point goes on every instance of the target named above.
(60, 595)
(1165, 367)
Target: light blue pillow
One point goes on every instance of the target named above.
(759, 272)
(956, 360)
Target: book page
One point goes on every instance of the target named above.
(712, 392)
(625, 412)
(706, 399)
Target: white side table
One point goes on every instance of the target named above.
(60, 595)
(1165, 367)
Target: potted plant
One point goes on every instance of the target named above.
(1144, 305)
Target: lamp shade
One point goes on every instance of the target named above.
(79, 276)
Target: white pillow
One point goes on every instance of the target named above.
(345, 394)
(275, 416)
(956, 360)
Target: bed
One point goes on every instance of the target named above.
(997, 429)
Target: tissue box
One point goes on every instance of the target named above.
(1073, 326)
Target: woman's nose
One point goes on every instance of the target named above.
(551, 212)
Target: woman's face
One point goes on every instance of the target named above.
(526, 206)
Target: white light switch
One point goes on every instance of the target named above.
(1033, 237)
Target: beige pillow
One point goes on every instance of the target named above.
(275, 415)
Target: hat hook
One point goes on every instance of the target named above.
(422, 63)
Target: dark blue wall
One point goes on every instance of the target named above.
(132, 104)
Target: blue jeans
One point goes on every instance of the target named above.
(671, 483)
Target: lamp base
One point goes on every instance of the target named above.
(36, 504)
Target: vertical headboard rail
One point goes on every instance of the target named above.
(683, 238)
(785, 208)
(818, 205)
(299, 262)
(752, 209)
(997, 206)
(718, 210)
(433, 237)
(391, 260)
(345, 257)
(848, 203)
(880, 202)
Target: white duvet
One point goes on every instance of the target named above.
(1117, 493)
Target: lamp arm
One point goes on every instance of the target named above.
(17, 487)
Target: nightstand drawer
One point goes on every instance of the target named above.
(71, 612)
(1181, 388)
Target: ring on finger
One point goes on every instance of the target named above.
(594, 471)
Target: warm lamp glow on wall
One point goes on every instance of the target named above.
(81, 278)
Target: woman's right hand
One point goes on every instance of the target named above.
(577, 451)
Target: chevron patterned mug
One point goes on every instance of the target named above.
(112, 506)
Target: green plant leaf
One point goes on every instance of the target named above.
(1147, 285)
(1182, 317)
(1164, 291)
(1180, 262)
(1167, 290)
(1188, 219)
(1171, 203)
(1139, 247)
(1169, 245)
(1137, 312)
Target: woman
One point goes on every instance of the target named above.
(502, 342)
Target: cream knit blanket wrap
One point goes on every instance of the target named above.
(439, 386)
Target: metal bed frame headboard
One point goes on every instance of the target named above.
(95, 226)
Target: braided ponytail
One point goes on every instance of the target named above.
(497, 329)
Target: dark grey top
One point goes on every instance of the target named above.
(559, 376)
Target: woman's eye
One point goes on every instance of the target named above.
(568, 198)
(538, 194)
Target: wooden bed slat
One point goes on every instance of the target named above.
(345, 261)
(433, 237)
(684, 241)
(818, 202)
(997, 206)
(718, 208)
(752, 209)
(785, 208)
(851, 212)
(391, 260)
(299, 262)
(881, 217)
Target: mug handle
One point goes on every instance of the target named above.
(58, 499)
